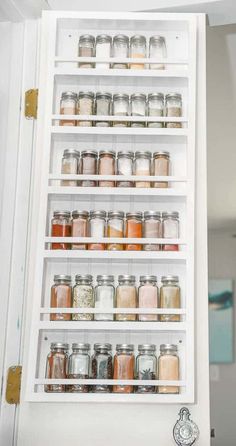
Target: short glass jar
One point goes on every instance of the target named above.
(124, 365)
(86, 49)
(170, 297)
(173, 109)
(88, 166)
(125, 167)
(79, 228)
(120, 50)
(102, 366)
(161, 167)
(68, 106)
(56, 366)
(155, 107)
(103, 108)
(138, 50)
(97, 228)
(70, 165)
(104, 297)
(61, 227)
(133, 229)
(148, 297)
(78, 367)
(120, 108)
(170, 229)
(85, 106)
(152, 229)
(115, 228)
(138, 108)
(126, 297)
(168, 367)
(146, 367)
(107, 166)
(103, 50)
(83, 297)
(61, 297)
(142, 166)
(157, 50)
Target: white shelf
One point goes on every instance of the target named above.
(112, 255)
(168, 72)
(146, 60)
(111, 382)
(112, 326)
(117, 191)
(45, 310)
(111, 118)
(119, 131)
(121, 240)
(150, 178)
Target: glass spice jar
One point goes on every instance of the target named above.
(103, 108)
(88, 166)
(137, 51)
(85, 106)
(68, 106)
(78, 367)
(103, 50)
(170, 297)
(148, 297)
(126, 297)
(161, 167)
(102, 366)
(120, 50)
(124, 364)
(168, 367)
(170, 229)
(79, 228)
(70, 165)
(120, 108)
(83, 297)
(104, 297)
(125, 167)
(174, 109)
(115, 228)
(61, 297)
(133, 229)
(61, 227)
(152, 229)
(142, 166)
(56, 366)
(86, 49)
(138, 108)
(155, 107)
(106, 166)
(157, 50)
(146, 366)
(97, 228)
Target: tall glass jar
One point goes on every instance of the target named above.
(168, 367)
(97, 228)
(152, 229)
(148, 297)
(126, 297)
(103, 49)
(146, 366)
(124, 365)
(85, 106)
(78, 367)
(142, 166)
(120, 108)
(125, 167)
(56, 366)
(104, 297)
(138, 50)
(115, 228)
(121, 50)
(133, 229)
(79, 228)
(170, 297)
(86, 49)
(83, 297)
(103, 108)
(70, 165)
(102, 366)
(107, 166)
(161, 167)
(174, 109)
(88, 166)
(170, 229)
(68, 106)
(155, 108)
(157, 50)
(138, 108)
(61, 227)
(61, 297)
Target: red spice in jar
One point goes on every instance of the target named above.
(61, 227)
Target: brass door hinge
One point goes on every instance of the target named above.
(13, 384)
(31, 103)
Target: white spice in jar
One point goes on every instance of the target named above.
(173, 109)
(142, 166)
(88, 166)
(83, 297)
(103, 108)
(161, 162)
(104, 297)
(85, 107)
(155, 108)
(170, 297)
(70, 165)
(86, 49)
(125, 167)
(152, 229)
(103, 49)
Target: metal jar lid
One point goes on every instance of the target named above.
(120, 97)
(89, 152)
(143, 154)
(105, 277)
(126, 347)
(84, 277)
(138, 38)
(62, 278)
(121, 38)
(78, 214)
(116, 214)
(158, 96)
(107, 152)
(86, 94)
(157, 39)
(80, 346)
(103, 38)
(136, 215)
(97, 347)
(126, 278)
(173, 279)
(65, 214)
(105, 95)
(59, 345)
(71, 152)
(138, 96)
(165, 347)
(149, 347)
(174, 214)
(161, 154)
(176, 96)
(99, 214)
(84, 38)
(148, 278)
(124, 154)
(152, 214)
(69, 95)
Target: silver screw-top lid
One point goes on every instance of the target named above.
(124, 154)
(121, 38)
(143, 154)
(148, 278)
(83, 278)
(138, 96)
(149, 347)
(157, 39)
(171, 347)
(174, 214)
(86, 94)
(69, 95)
(136, 215)
(105, 278)
(98, 346)
(59, 345)
(125, 347)
(84, 38)
(71, 152)
(120, 97)
(89, 152)
(126, 278)
(174, 96)
(161, 154)
(78, 214)
(65, 214)
(152, 214)
(62, 278)
(107, 152)
(80, 346)
(103, 95)
(103, 38)
(172, 279)
(99, 214)
(137, 39)
(116, 214)
(158, 96)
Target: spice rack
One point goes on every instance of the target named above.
(59, 72)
